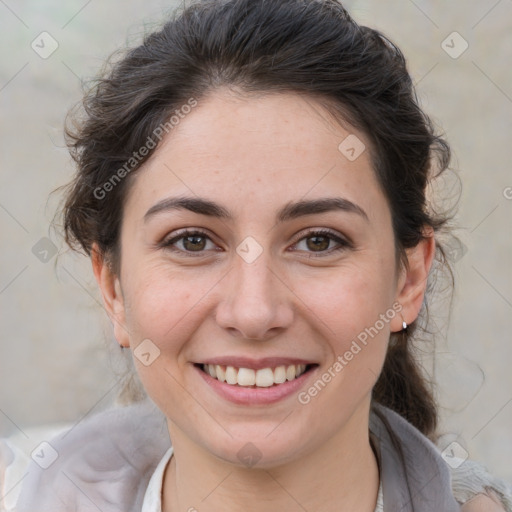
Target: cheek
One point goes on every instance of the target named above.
(162, 307)
(354, 310)
(348, 299)
(160, 301)
(167, 306)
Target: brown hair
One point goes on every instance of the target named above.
(310, 47)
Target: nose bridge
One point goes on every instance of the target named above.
(254, 302)
(254, 281)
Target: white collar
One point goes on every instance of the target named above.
(153, 497)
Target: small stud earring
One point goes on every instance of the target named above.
(404, 323)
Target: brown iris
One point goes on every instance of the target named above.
(194, 242)
(319, 242)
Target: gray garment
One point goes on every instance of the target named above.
(106, 461)
(414, 476)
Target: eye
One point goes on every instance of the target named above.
(189, 241)
(321, 241)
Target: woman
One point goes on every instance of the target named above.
(251, 191)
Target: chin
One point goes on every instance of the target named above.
(257, 449)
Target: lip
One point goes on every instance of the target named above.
(241, 395)
(256, 364)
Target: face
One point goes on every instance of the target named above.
(258, 277)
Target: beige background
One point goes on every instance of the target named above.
(57, 353)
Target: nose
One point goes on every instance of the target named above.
(256, 303)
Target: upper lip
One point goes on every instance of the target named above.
(255, 364)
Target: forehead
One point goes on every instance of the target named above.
(256, 151)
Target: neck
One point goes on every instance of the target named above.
(340, 475)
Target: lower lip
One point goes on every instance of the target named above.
(255, 396)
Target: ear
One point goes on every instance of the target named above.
(111, 292)
(412, 282)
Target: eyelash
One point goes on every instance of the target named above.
(343, 244)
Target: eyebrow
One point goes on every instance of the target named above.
(290, 211)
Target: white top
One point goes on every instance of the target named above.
(153, 496)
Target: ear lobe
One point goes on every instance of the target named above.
(112, 295)
(413, 282)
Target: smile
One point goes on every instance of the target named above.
(261, 378)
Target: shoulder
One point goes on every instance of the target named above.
(472, 487)
(478, 490)
(483, 503)
(107, 458)
(16, 452)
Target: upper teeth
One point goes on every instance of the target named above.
(265, 377)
